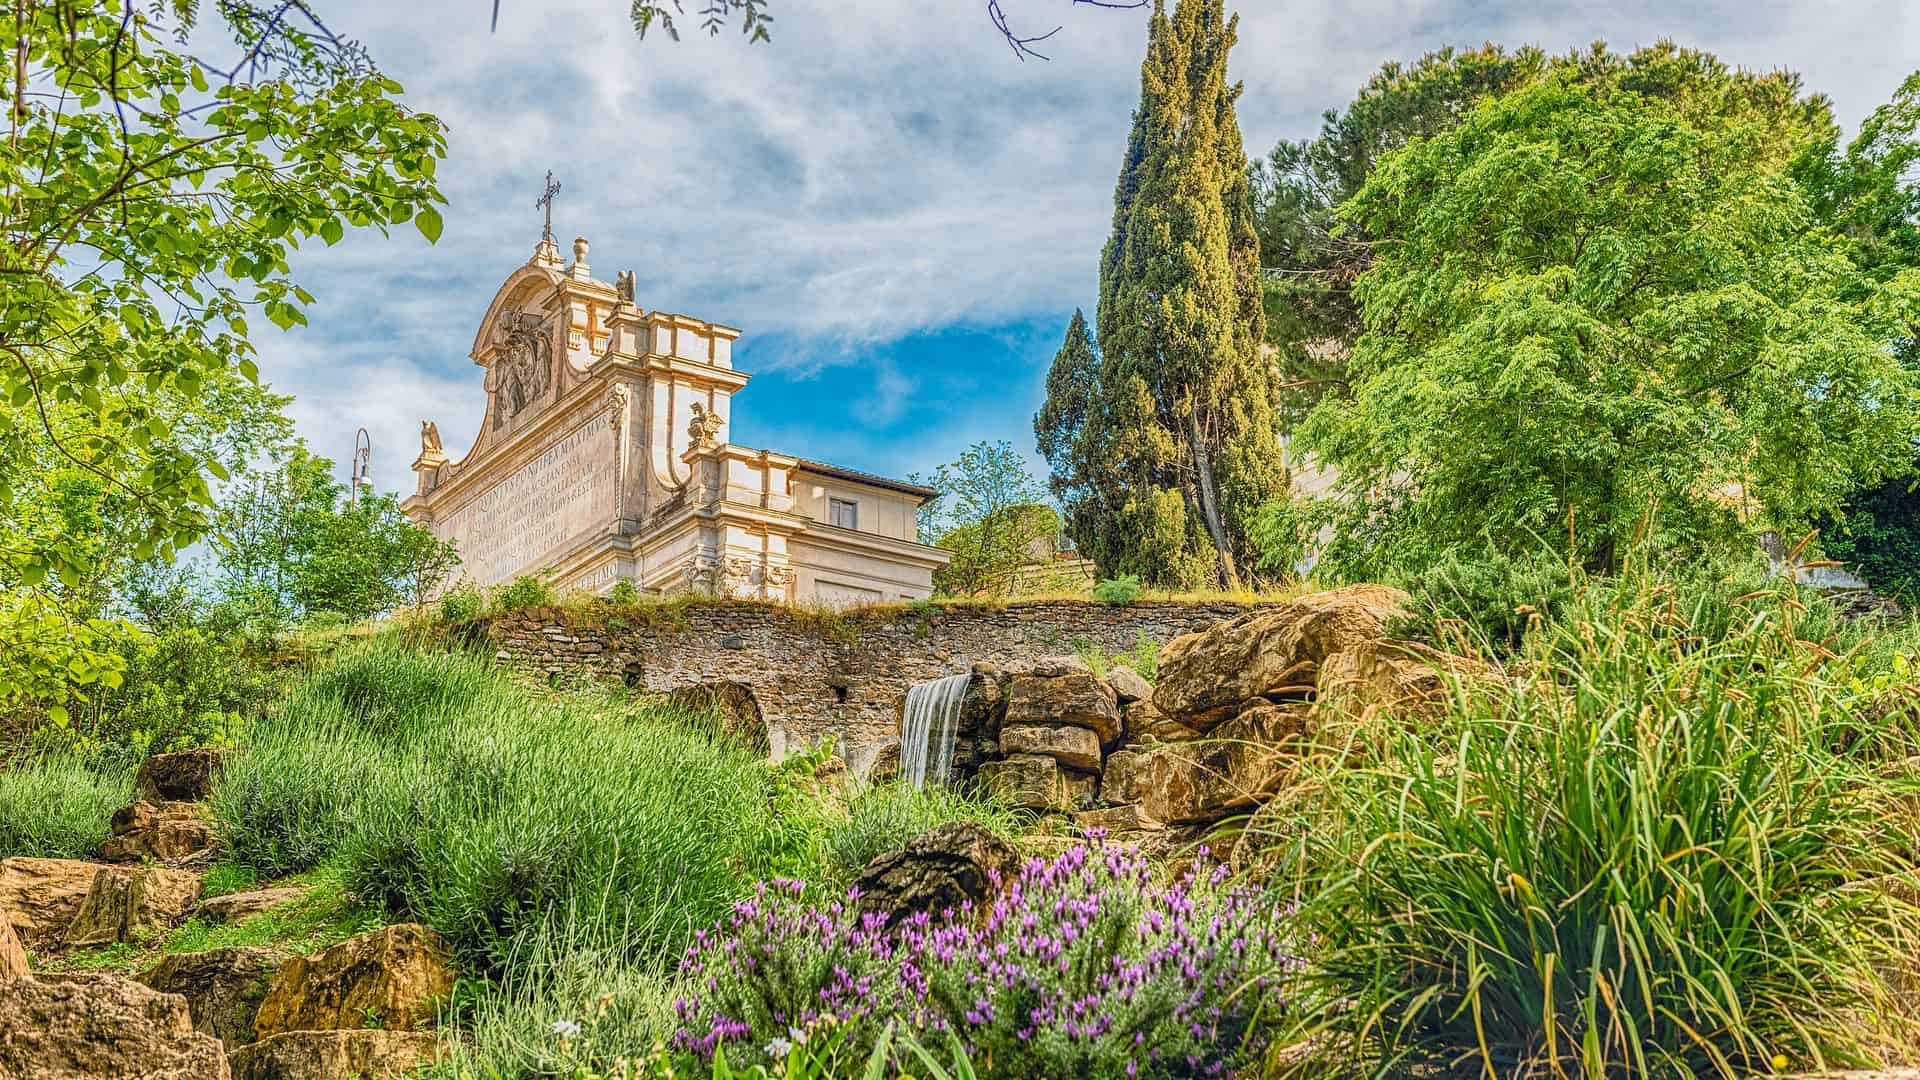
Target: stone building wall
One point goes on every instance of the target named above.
(824, 674)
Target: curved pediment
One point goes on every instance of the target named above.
(528, 288)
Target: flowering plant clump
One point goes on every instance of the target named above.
(1083, 964)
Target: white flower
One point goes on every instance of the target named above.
(797, 1035)
(778, 1047)
(565, 1029)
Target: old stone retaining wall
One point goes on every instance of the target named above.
(817, 674)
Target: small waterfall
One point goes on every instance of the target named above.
(929, 722)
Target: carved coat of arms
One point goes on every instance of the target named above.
(523, 368)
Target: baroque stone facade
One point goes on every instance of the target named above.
(842, 676)
(603, 458)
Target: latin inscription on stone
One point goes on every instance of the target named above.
(516, 526)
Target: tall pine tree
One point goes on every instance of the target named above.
(1163, 443)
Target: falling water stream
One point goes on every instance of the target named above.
(930, 721)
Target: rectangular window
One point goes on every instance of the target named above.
(843, 513)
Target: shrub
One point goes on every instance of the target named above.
(183, 686)
(462, 603)
(623, 592)
(525, 591)
(1492, 596)
(1649, 854)
(58, 807)
(1119, 591)
(450, 795)
(1085, 967)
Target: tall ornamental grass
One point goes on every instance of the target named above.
(1653, 852)
(58, 807)
(453, 796)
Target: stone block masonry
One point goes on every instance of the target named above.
(818, 674)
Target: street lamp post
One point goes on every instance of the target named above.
(360, 472)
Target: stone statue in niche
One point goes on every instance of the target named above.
(703, 431)
(523, 368)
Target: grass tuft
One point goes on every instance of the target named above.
(58, 807)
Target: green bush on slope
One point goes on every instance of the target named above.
(1667, 847)
(453, 796)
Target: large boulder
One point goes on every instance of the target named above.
(1394, 676)
(1073, 747)
(1177, 784)
(938, 871)
(1147, 724)
(161, 832)
(101, 1029)
(1205, 678)
(13, 955)
(1128, 685)
(1034, 782)
(232, 907)
(187, 776)
(43, 895)
(1261, 745)
(128, 903)
(1073, 698)
(223, 987)
(395, 978)
(733, 706)
(365, 1054)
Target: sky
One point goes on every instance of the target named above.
(899, 213)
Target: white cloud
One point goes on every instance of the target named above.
(881, 168)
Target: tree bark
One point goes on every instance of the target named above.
(1210, 502)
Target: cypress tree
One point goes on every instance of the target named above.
(1164, 449)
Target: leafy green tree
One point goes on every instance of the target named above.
(368, 558)
(291, 546)
(1163, 445)
(1313, 256)
(989, 513)
(151, 202)
(1593, 311)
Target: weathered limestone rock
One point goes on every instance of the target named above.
(732, 703)
(1270, 652)
(101, 1029)
(1392, 675)
(1261, 745)
(392, 978)
(1185, 783)
(187, 776)
(223, 988)
(1033, 782)
(1121, 824)
(43, 895)
(1072, 747)
(126, 903)
(1122, 777)
(1078, 699)
(13, 955)
(369, 1053)
(167, 832)
(886, 765)
(985, 703)
(1147, 724)
(942, 868)
(234, 906)
(1128, 685)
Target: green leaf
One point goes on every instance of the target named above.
(428, 222)
(331, 231)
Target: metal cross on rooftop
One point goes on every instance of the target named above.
(546, 200)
